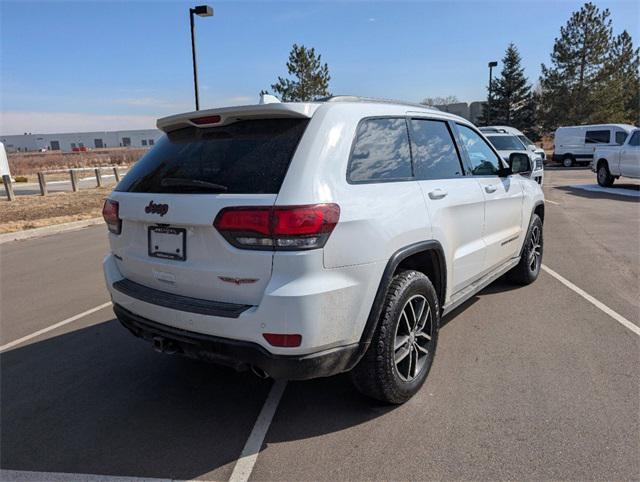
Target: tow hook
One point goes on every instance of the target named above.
(162, 345)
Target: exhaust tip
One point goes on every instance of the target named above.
(162, 345)
(259, 372)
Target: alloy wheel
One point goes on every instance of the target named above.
(414, 333)
(535, 248)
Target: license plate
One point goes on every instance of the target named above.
(168, 243)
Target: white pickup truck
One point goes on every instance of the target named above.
(613, 161)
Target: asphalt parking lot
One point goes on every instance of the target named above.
(528, 383)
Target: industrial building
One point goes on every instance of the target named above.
(471, 112)
(75, 141)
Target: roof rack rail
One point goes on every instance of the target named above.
(356, 98)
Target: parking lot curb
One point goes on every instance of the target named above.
(47, 230)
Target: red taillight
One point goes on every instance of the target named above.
(283, 340)
(244, 219)
(278, 227)
(210, 119)
(111, 216)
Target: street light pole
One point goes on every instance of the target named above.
(202, 11)
(491, 66)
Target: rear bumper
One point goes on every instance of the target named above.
(328, 307)
(240, 354)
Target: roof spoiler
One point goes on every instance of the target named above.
(227, 115)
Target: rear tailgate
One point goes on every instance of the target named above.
(168, 203)
(212, 268)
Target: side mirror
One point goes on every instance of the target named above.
(520, 163)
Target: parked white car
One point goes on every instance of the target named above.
(307, 239)
(575, 144)
(612, 162)
(507, 144)
(529, 144)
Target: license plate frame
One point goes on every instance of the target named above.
(160, 243)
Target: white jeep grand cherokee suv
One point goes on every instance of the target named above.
(307, 239)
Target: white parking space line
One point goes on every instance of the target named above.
(552, 202)
(53, 327)
(244, 465)
(26, 476)
(598, 304)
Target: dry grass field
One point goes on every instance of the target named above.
(28, 212)
(34, 211)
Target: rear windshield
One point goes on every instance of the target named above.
(506, 143)
(246, 157)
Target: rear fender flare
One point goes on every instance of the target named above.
(385, 281)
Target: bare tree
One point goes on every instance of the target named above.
(436, 101)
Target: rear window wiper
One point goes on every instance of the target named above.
(185, 182)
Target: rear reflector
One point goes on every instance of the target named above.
(211, 119)
(283, 340)
(110, 213)
(278, 227)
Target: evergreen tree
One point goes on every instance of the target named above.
(577, 60)
(311, 76)
(616, 96)
(512, 103)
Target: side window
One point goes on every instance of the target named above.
(434, 152)
(635, 139)
(381, 151)
(597, 137)
(483, 160)
(621, 136)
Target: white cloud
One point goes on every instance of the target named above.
(59, 122)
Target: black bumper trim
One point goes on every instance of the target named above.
(241, 354)
(178, 302)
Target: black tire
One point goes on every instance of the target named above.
(528, 269)
(568, 161)
(605, 179)
(377, 375)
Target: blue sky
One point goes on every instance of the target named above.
(92, 65)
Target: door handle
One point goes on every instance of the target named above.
(437, 194)
(490, 188)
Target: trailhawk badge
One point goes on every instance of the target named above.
(237, 281)
(153, 208)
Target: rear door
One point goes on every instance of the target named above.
(593, 137)
(503, 199)
(170, 199)
(454, 199)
